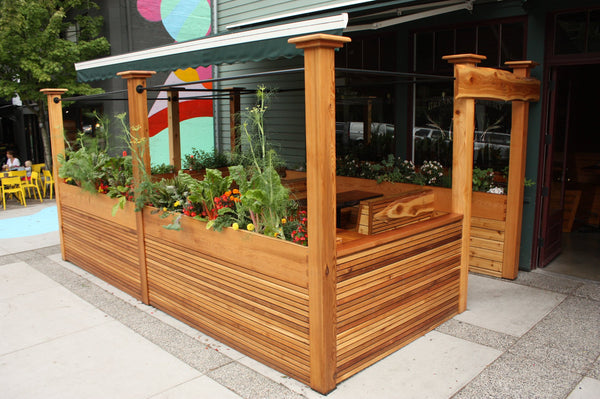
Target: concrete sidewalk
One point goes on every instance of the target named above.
(67, 334)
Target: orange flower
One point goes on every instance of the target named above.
(236, 191)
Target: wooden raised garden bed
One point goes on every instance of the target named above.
(319, 313)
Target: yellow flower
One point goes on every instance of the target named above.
(235, 226)
(165, 209)
(284, 221)
(250, 227)
(177, 203)
(68, 179)
(275, 234)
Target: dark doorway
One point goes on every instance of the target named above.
(570, 195)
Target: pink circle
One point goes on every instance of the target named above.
(149, 9)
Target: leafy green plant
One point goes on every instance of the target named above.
(86, 162)
(482, 179)
(161, 169)
(200, 160)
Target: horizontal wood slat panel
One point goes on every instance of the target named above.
(389, 294)
(257, 313)
(486, 253)
(103, 248)
(268, 256)
(97, 205)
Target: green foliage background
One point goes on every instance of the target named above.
(35, 52)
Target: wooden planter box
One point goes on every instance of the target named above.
(245, 289)
(252, 292)
(93, 239)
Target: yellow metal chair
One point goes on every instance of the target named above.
(12, 185)
(48, 181)
(37, 167)
(17, 173)
(32, 183)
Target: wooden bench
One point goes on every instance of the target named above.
(393, 211)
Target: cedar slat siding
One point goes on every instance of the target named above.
(488, 219)
(231, 287)
(393, 293)
(99, 243)
(105, 249)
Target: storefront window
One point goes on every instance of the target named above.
(570, 33)
(433, 102)
(577, 32)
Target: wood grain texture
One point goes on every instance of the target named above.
(494, 84)
(319, 89)
(102, 247)
(244, 289)
(392, 291)
(57, 144)
(393, 211)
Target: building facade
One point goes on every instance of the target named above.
(395, 111)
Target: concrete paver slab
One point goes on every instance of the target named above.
(588, 388)
(505, 307)
(31, 318)
(434, 366)
(19, 278)
(106, 361)
(191, 389)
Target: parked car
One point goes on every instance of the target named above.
(494, 141)
(355, 130)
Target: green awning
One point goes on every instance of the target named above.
(242, 46)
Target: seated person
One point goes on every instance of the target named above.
(28, 169)
(12, 163)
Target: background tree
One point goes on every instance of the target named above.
(40, 41)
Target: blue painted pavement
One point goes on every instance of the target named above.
(44, 221)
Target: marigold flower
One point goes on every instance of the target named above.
(177, 203)
(235, 226)
(283, 220)
(227, 193)
(250, 227)
(236, 191)
(165, 209)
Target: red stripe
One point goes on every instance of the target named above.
(187, 110)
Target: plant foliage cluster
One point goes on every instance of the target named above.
(430, 173)
(250, 197)
(39, 43)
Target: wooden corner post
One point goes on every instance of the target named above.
(462, 165)
(57, 142)
(138, 125)
(516, 175)
(319, 80)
